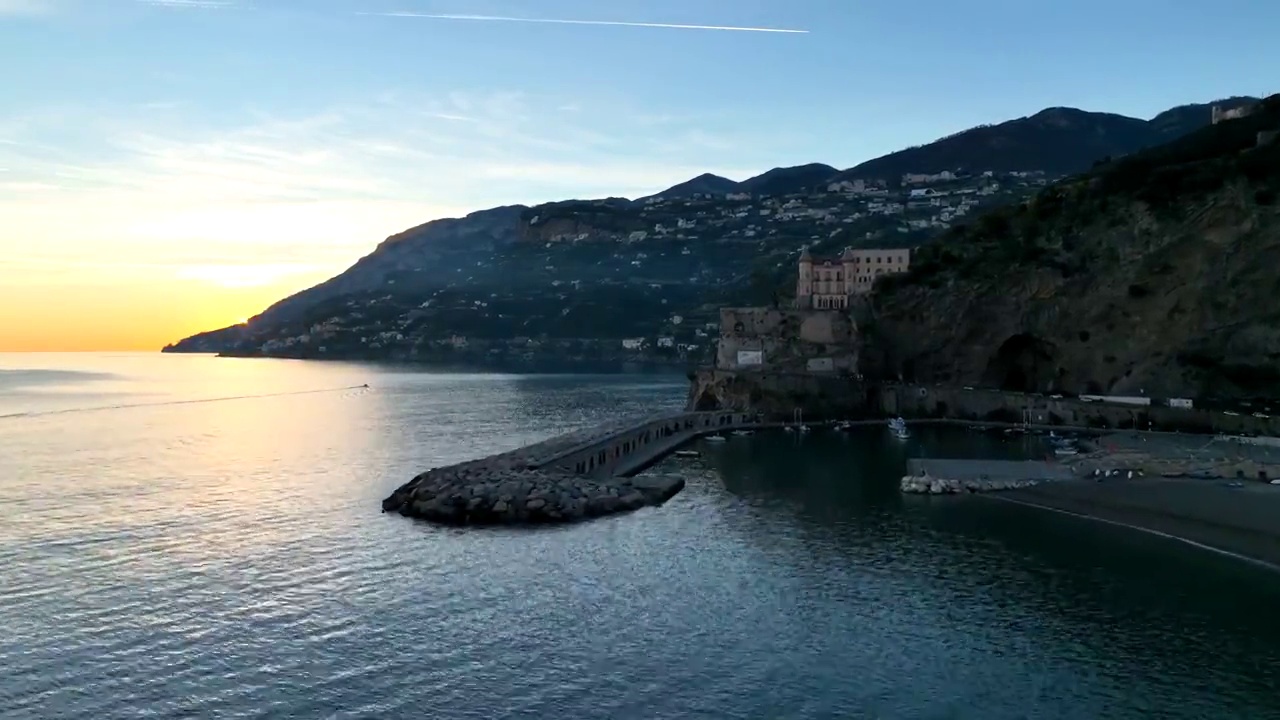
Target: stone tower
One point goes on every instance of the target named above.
(804, 283)
(850, 270)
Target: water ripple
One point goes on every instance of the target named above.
(228, 560)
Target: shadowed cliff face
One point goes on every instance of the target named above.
(1158, 274)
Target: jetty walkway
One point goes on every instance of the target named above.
(582, 474)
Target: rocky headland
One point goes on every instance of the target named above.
(1153, 274)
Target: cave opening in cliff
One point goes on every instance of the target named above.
(706, 402)
(1023, 363)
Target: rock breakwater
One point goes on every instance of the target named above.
(927, 485)
(534, 485)
(498, 496)
(954, 476)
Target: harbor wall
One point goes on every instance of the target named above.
(778, 395)
(632, 449)
(919, 401)
(786, 340)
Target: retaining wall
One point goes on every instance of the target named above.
(976, 404)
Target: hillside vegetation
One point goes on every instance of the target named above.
(1153, 273)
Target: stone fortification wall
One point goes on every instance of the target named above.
(786, 340)
(776, 395)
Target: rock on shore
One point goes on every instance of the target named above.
(928, 485)
(470, 495)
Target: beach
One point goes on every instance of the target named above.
(1242, 519)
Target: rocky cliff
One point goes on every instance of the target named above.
(1155, 273)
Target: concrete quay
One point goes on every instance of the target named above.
(576, 476)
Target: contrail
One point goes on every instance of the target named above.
(554, 21)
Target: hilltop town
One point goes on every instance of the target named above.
(861, 211)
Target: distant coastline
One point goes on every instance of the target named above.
(539, 365)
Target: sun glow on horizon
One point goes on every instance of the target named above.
(90, 312)
(245, 276)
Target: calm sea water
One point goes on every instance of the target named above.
(168, 551)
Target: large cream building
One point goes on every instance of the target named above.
(828, 283)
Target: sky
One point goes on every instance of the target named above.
(173, 166)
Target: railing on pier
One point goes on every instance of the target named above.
(642, 442)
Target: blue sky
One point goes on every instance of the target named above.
(176, 135)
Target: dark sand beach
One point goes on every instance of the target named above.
(1228, 516)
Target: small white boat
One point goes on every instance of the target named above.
(715, 438)
(742, 432)
(1065, 450)
(898, 427)
(803, 429)
(687, 453)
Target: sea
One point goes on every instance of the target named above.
(186, 536)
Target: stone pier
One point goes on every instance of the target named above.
(571, 477)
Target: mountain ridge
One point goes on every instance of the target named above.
(649, 250)
(1162, 126)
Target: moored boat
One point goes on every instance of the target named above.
(898, 427)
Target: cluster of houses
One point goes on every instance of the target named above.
(919, 202)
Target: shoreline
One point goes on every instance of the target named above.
(1236, 521)
(1257, 562)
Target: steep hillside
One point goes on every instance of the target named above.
(1058, 141)
(1155, 273)
(574, 278)
(424, 256)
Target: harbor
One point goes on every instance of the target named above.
(1219, 491)
(571, 477)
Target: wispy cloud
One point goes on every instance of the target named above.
(27, 7)
(559, 21)
(293, 194)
